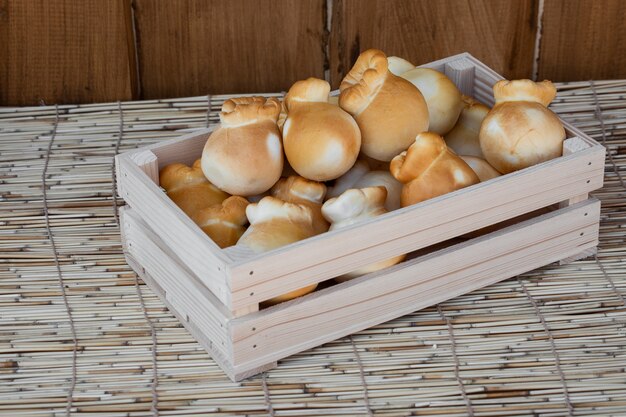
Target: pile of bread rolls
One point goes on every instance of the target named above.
(396, 136)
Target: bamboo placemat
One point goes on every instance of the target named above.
(551, 342)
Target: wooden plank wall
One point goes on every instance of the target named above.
(232, 46)
(499, 33)
(67, 51)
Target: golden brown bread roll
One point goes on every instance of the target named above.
(442, 97)
(463, 138)
(356, 205)
(398, 66)
(429, 169)
(520, 131)
(390, 110)
(321, 140)
(308, 193)
(275, 223)
(189, 188)
(225, 222)
(360, 176)
(481, 167)
(244, 156)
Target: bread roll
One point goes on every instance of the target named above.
(189, 188)
(520, 131)
(463, 138)
(398, 66)
(225, 222)
(220, 216)
(321, 140)
(390, 110)
(356, 205)
(442, 98)
(305, 192)
(244, 156)
(481, 167)
(347, 180)
(385, 179)
(429, 169)
(275, 223)
(360, 176)
(334, 100)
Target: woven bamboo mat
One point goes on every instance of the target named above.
(80, 335)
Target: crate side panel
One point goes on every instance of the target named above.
(365, 301)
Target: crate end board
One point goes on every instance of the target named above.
(141, 191)
(256, 341)
(234, 373)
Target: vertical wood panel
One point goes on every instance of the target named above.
(64, 51)
(500, 33)
(583, 39)
(194, 47)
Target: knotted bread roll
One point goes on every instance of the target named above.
(189, 188)
(244, 156)
(481, 167)
(390, 110)
(220, 216)
(429, 169)
(275, 223)
(442, 97)
(225, 222)
(520, 131)
(305, 192)
(463, 138)
(360, 176)
(353, 206)
(321, 140)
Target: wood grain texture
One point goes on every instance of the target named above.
(197, 47)
(63, 51)
(499, 33)
(582, 40)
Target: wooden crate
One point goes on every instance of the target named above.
(216, 293)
